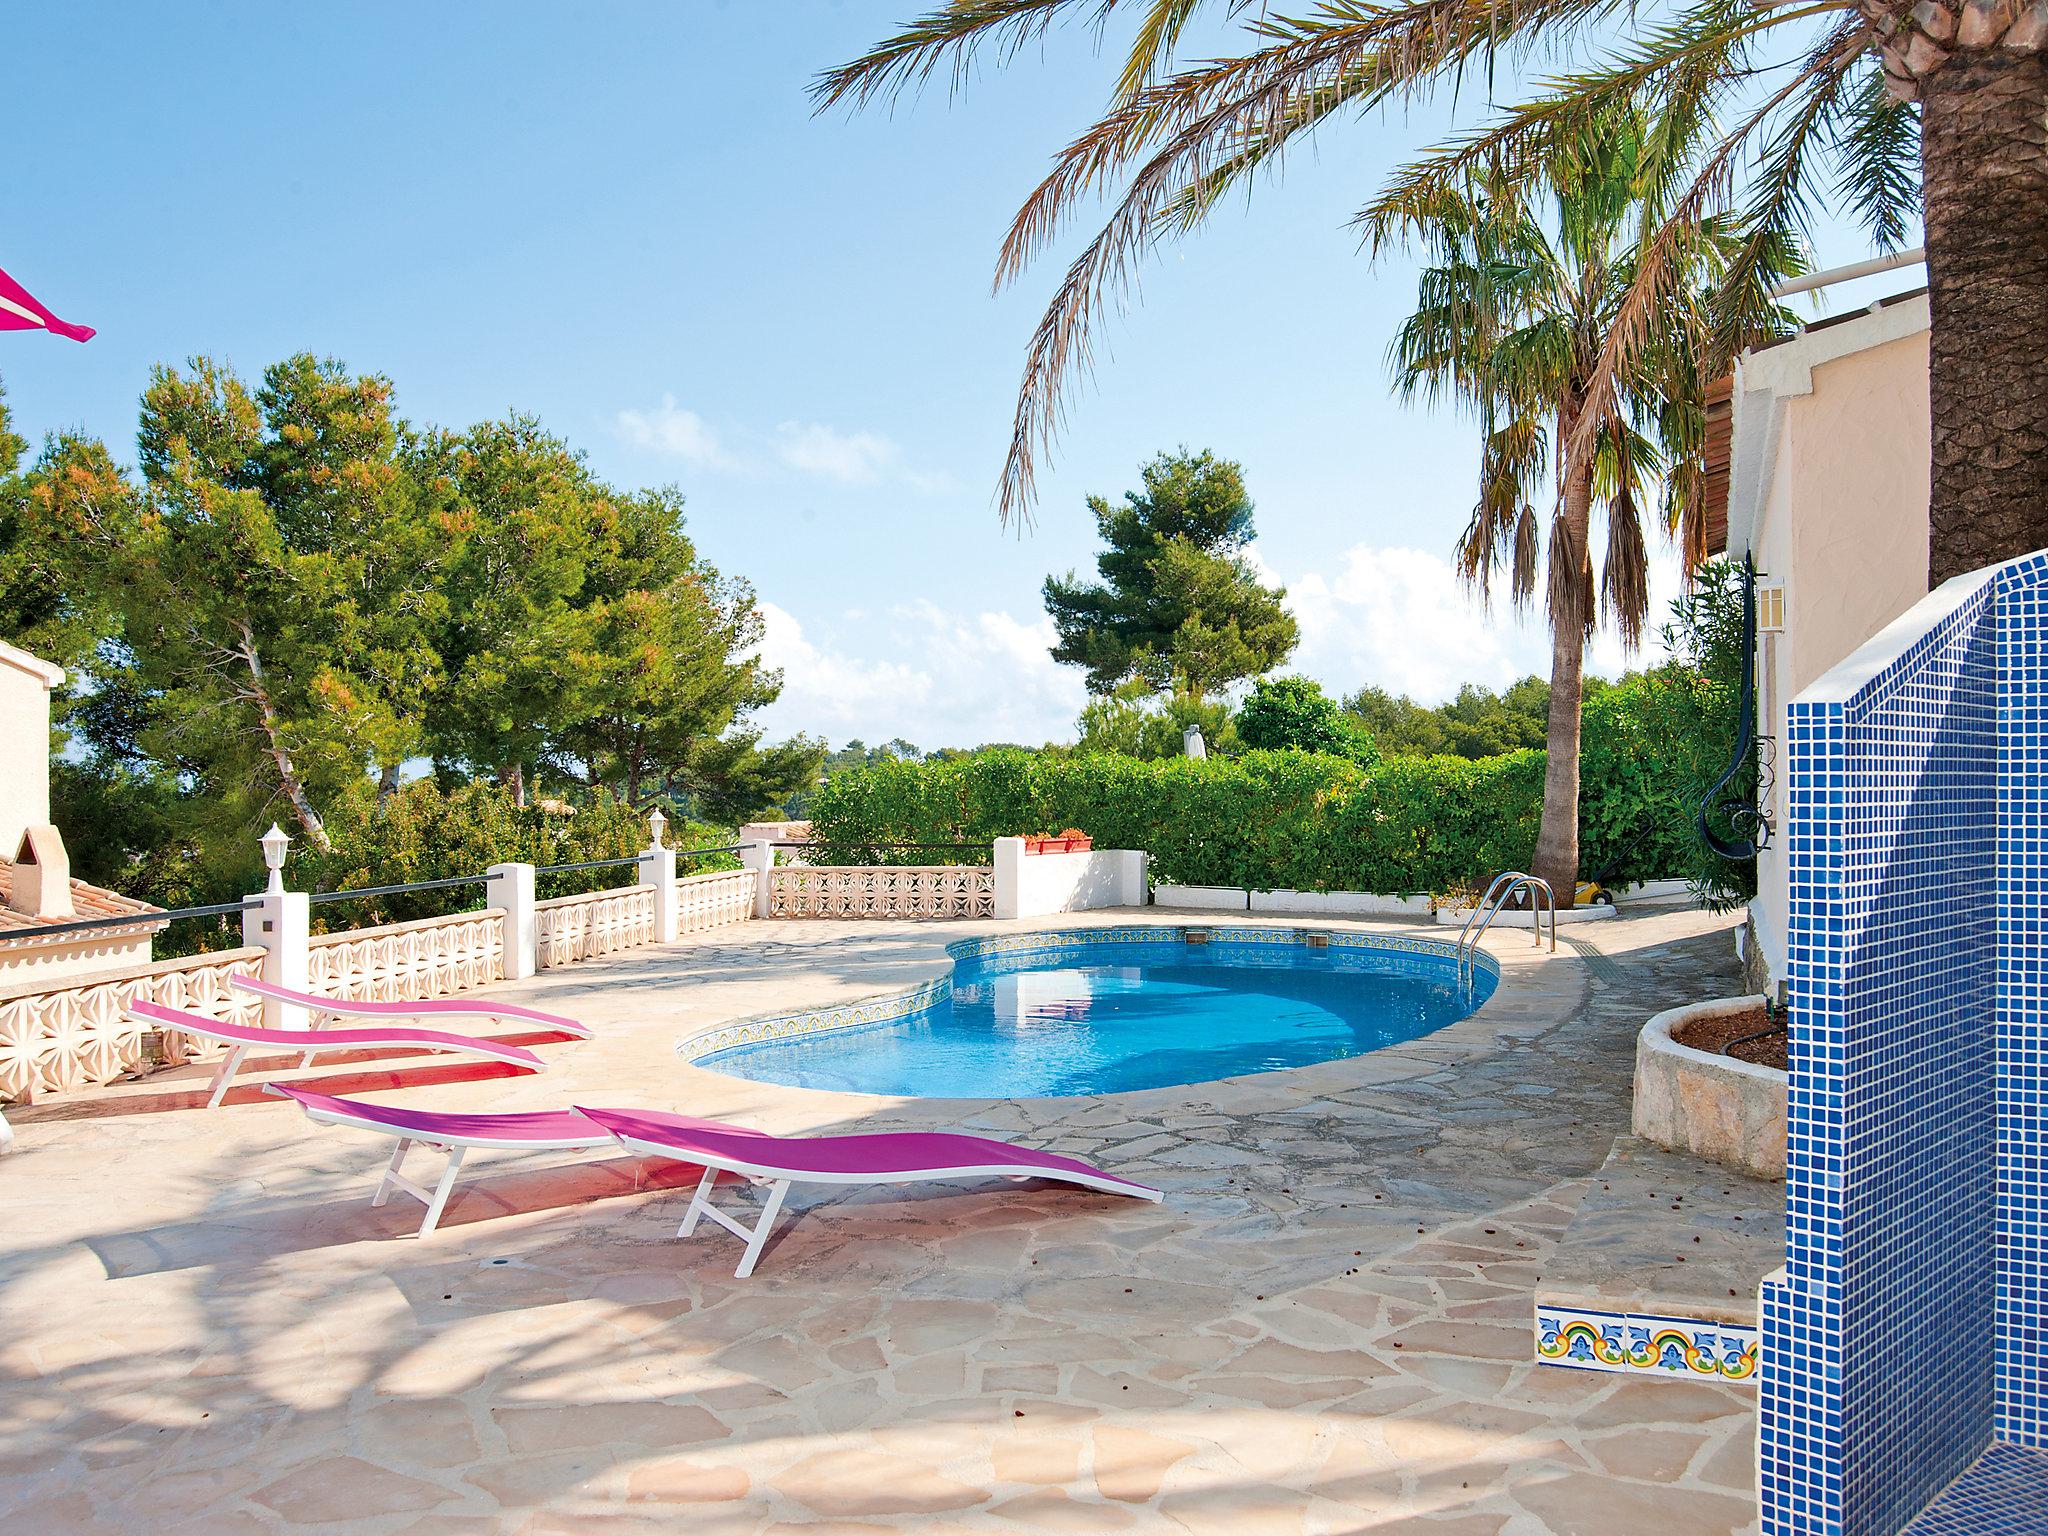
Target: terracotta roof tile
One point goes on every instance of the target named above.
(87, 901)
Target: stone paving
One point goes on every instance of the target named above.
(1324, 1328)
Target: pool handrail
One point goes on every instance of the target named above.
(1489, 908)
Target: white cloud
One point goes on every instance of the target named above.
(810, 448)
(1396, 617)
(1400, 618)
(679, 433)
(849, 457)
(931, 676)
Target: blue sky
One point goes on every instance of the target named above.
(626, 219)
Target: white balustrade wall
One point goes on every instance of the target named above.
(575, 928)
(60, 1037)
(80, 1033)
(933, 890)
(403, 962)
(712, 901)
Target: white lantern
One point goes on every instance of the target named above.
(658, 825)
(275, 841)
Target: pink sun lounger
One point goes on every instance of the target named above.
(242, 1038)
(336, 1008)
(780, 1161)
(549, 1130)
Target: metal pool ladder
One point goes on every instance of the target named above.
(1498, 895)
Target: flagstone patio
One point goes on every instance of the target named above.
(1324, 1328)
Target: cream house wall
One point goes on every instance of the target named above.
(1829, 488)
(25, 684)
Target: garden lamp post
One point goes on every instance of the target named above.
(275, 841)
(657, 824)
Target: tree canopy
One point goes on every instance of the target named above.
(1180, 607)
(1295, 712)
(1477, 723)
(297, 593)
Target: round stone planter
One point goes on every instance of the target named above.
(1713, 1106)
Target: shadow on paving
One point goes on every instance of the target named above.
(1329, 1312)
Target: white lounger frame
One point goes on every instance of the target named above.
(337, 1010)
(456, 1147)
(239, 1049)
(778, 1180)
(756, 1236)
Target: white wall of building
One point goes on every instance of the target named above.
(1829, 478)
(1039, 884)
(25, 684)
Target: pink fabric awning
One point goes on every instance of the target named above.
(21, 310)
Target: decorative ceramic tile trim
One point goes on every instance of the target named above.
(897, 1006)
(1217, 933)
(1644, 1344)
(874, 1010)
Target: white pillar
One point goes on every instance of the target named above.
(279, 923)
(1133, 889)
(658, 869)
(1009, 877)
(759, 856)
(510, 889)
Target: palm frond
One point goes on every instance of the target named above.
(1661, 273)
(1152, 49)
(952, 37)
(1206, 120)
(1625, 571)
(1569, 599)
(1878, 146)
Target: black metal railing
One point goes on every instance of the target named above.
(886, 854)
(408, 887)
(583, 864)
(150, 919)
(157, 919)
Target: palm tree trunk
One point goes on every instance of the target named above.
(1557, 834)
(1984, 156)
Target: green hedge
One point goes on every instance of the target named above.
(1270, 820)
(1308, 821)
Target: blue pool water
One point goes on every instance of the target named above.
(1112, 1017)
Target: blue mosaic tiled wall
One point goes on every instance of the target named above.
(1879, 1384)
(2022, 1365)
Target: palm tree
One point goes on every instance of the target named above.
(1848, 97)
(1528, 274)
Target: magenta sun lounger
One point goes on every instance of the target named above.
(780, 1161)
(550, 1130)
(337, 1008)
(240, 1038)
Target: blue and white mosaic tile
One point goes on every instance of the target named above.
(1906, 1330)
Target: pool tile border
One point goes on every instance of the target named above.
(1645, 1344)
(893, 1006)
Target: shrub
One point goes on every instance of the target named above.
(425, 833)
(1294, 712)
(1306, 820)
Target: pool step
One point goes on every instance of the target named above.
(1657, 1273)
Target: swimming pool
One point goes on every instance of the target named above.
(1080, 1014)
